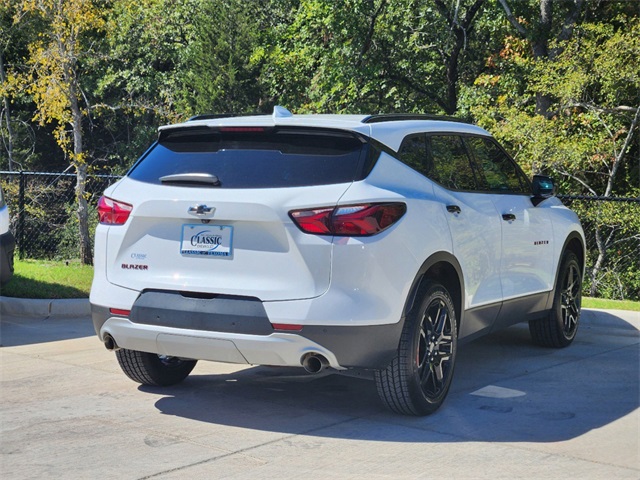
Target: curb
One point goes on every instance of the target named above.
(71, 307)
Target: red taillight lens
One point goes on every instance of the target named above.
(119, 311)
(349, 220)
(112, 212)
(313, 220)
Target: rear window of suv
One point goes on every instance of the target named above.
(248, 157)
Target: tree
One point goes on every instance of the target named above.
(374, 55)
(589, 136)
(221, 78)
(541, 30)
(17, 136)
(55, 83)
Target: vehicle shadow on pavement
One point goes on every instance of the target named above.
(16, 330)
(505, 389)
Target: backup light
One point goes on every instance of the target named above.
(113, 212)
(349, 220)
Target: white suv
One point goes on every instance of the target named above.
(343, 241)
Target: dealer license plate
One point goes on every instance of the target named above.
(213, 240)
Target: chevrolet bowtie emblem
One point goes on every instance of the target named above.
(201, 210)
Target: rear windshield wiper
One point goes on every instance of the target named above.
(192, 179)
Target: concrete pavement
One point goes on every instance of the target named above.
(514, 411)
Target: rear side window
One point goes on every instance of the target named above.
(443, 158)
(451, 166)
(247, 157)
(499, 172)
(413, 152)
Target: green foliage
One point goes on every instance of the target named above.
(593, 106)
(221, 76)
(66, 236)
(141, 64)
(145, 62)
(365, 56)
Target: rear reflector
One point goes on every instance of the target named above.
(287, 327)
(349, 220)
(113, 212)
(119, 311)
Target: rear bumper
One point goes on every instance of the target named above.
(238, 330)
(7, 246)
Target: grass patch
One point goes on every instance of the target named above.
(604, 304)
(70, 279)
(49, 279)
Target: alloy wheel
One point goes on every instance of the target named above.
(435, 349)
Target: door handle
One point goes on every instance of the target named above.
(453, 209)
(508, 217)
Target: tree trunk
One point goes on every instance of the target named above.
(597, 266)
(540, 47)
(452, 74)
(461, 29)
(7, 116)
(539, 34)
(86, 255)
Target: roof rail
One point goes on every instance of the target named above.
(394, 117)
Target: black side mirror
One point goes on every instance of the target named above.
(543, 188)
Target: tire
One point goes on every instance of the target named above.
(417, 380)
(152, 369)
(559, 328)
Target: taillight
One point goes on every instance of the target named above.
(112, 212)
(349, 220)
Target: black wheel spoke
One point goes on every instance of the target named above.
(425, 373)
(570, 298)
(435, 348)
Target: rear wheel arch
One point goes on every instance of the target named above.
(443, 268)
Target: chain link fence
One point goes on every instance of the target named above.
(43, 219)
(612, 231)
(43, 211)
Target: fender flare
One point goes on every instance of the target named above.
(457, 285)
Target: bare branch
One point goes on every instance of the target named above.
(570, 20)
(513, 20)
(618, 160)
(372, 26)
(591, 106)
(577, 179)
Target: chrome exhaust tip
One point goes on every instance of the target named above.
(110, 343)
(314, 362)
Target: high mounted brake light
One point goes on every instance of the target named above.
(242, 129)
(349, 220)
(113, 212)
